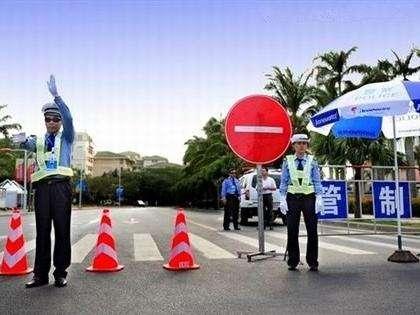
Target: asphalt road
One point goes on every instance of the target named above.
(354, 275)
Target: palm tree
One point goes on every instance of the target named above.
(333, 69)
(293, 92)
(4, 128)
(207, 160)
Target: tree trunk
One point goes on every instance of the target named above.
(411, 172)
(357, 192)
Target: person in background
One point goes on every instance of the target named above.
(231, 194)
(269, 186)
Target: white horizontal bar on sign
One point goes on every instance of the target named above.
(209, 249)
(145, 248)
(82, 247)
(258, 129)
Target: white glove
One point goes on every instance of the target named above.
(319, 204)
(283, 204)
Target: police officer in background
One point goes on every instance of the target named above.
(53, 190)
(301, 190)
(231, 195)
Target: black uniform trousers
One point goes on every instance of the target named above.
(52, 205)
(231, 210)
(268, 209)
(305, 203)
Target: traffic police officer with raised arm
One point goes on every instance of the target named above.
(301, 191)
(53, 190)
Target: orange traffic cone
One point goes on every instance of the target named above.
(181, 257)
(15, 261)
(105, 257)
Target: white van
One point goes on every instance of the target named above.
(249, 196)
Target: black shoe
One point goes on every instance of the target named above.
(226, 229)
(60, 282)
(36, 282)
(237, 228)
(313, 268)
(292, 268)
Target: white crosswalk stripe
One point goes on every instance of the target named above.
(324, 245)
(208, 249)
(145, 248)
(82, 247)
(252, 242)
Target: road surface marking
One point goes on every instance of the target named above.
(202, 225)
(145, 248)
(93, 221)
(329, 246)
(131, 221)
(251, 241)
(258, 129)
(208, 249)
(373, 243)
(82, 247)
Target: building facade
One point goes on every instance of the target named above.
(105, 162)
(83, 152)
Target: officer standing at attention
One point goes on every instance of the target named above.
(301, 190)
(231, 194)
(53, 190)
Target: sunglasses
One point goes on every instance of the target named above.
(53, 119)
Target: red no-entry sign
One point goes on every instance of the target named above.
(258, 129)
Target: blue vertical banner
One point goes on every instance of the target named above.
(384, 203)
(334, 195)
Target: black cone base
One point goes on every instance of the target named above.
(403, 256)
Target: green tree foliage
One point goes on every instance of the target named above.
(152, 185)
(207, 161)
(5, 128)
(7, 159)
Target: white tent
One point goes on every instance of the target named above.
(11, 194)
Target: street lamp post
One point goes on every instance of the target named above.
(80, 188)
(119, 186)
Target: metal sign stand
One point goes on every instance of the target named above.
(261, 240)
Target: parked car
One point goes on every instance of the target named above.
(249, 196)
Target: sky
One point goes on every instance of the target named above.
(146, 76)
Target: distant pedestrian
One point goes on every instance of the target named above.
(269, 186)
(231, 194)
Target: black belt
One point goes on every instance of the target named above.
(53, 179)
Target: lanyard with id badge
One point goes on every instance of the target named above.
(51, 161)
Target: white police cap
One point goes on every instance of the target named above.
(299, 137)
(51, 109)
